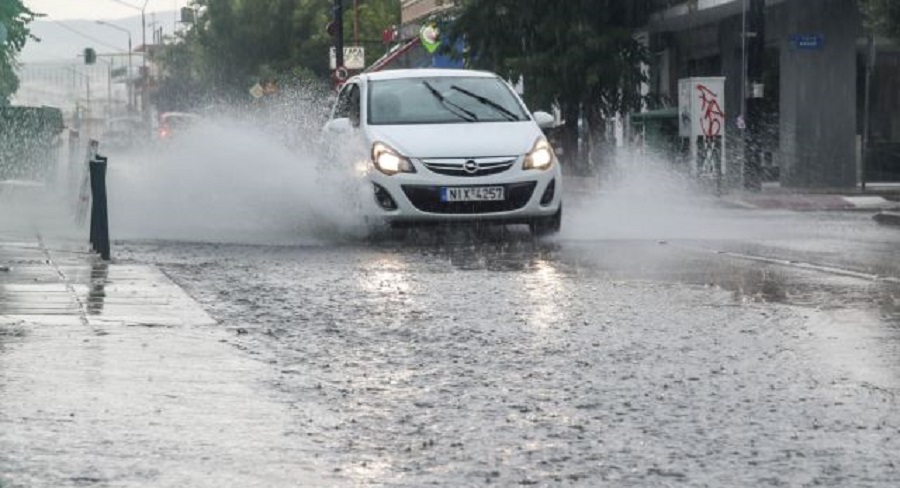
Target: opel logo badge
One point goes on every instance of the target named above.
(470, 166)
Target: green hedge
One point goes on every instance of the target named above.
(29, 141)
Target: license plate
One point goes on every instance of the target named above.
(472, 194)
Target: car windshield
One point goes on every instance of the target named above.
(442, 100)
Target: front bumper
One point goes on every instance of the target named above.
(416, 198)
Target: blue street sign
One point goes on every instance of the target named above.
(813, 42)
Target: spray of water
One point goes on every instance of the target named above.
(647, 196)
(254, 176)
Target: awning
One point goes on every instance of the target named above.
(689, 15)
(395, 53)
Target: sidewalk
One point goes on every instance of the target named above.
(877, 199)
(811, 201)
(112, 375)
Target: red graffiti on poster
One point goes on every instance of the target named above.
(712, 117)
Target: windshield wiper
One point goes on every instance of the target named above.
(490, 103)
(457, 110)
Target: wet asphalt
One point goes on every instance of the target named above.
(475, 357)
(737, 348)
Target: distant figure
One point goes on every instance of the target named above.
(637, 142)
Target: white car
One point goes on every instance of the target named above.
(450, 146)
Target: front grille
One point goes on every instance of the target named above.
(457, 167)
(428, 199)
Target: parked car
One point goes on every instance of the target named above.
(450, 146)
(173, 124)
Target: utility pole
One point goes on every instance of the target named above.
(356, 22)
(129, 82)
(870, 67)
(144, 81)
(339, 33)
(756, 50)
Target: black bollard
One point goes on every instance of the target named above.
(99, 214)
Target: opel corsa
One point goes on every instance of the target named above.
(450, 146)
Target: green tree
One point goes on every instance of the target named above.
(236, 43)
(581, 54)
(374, 17)
(14, 20)
(883, 16)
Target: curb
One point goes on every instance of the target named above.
(888, 218)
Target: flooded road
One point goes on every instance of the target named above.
(471, 357)
(655, 342)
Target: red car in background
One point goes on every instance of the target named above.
(173, 124)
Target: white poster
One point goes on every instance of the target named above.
(701, 118)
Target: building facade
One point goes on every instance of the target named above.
(814, 84)
(415, 11)
(409, 51)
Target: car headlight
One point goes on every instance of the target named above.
(389, 161)
(541, 155)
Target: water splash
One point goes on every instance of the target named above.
(647, 196)
(253, 177)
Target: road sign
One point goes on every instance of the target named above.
(813, 42)
(341, 74)
(354, 57)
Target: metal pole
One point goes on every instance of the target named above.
(339, 33)
(870, 67)
(356, 22)
(744, 59)
(99, 235)
(756, 48)
(144, 63)
(109, 88)
(129, 82)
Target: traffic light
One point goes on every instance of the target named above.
(90, 56)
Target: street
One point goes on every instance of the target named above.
(682, 344)
(278, 244)
(469, 359)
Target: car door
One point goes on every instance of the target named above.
(348, 105)
(342, 136)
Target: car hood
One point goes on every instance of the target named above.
(461, 140)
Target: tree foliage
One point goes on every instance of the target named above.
(581, 54)
(882, 16)
(236, 43)
(14, 20)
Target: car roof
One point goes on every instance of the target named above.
(130, 120)
(396, 74)
(166, 115)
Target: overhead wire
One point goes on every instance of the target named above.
(87, 36)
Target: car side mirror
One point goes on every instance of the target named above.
(339, 126)
(544, 120)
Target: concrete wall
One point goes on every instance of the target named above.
(818, 125)
(818, 95)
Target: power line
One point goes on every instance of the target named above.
(86, 36)
(120, 2)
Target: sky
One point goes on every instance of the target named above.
(98, 9)
(69, 26)
(52, 70)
